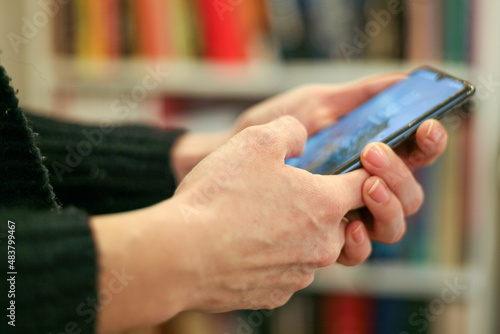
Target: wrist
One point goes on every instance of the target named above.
(144, 265)
(191, 148)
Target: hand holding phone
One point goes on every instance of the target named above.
(390, 117)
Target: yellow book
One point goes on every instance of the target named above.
(450, 213)
(82, 33)
(451, 320)
(180, 15)
(98, 32)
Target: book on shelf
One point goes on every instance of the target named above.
(450, 214)
(222, 32)
(387, 29)
(328, 314)
(182, 20)
(457, 27)
(297, 316)
(449, 318)
(226, 31)
(391, 315)
(425, 30)
(152, 29)
(347, 314)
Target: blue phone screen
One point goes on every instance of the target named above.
(375, 120)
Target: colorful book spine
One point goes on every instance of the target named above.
(297, 316)
(114, 32)
(424, 31)
(391, 316)
(153, 37)
(456, 27)
(97, 34)
(347, 314)
(182, 24)
(222, 31)
(228, 31)
(450, 216)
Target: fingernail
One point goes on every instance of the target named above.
(433, 133)
(357, 235)
(376, 156)
(378, 192)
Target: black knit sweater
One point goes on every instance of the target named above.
(91, 170)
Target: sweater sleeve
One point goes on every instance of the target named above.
(50, 273)
(105, 169)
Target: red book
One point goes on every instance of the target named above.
(224, 37)
(113, 14)
(152, 27)
(347, 314)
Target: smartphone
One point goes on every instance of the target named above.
(390, 117)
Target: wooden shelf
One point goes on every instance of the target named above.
(215, 80)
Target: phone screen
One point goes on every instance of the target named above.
(377, 120)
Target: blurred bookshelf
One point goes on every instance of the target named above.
(391, 280)
(254, 80)
(93, 52)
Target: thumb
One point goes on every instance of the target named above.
(348, 189)
(284, 136)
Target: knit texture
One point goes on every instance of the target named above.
(95, 169)
(55, 262)
(107, 169)
(20, 160)
(55, 258)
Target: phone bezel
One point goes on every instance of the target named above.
(439, 111)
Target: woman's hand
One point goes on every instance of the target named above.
(244, 230)
(261, 227)
(388, 202)
(391, 193)
(315, 106)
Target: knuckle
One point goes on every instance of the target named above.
(358, 258)
(398, 233)
(276, 299)
(268, 305)
(416, 201)
(330, 199)
(260, 136)
(391, 228)
(305, 281)
(395, 178)
(250, 133)
(361, 256)
(326, 257)
(294, 124)
(417, 158)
